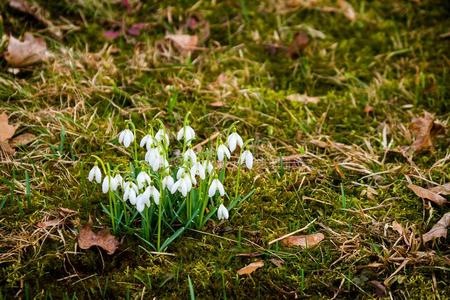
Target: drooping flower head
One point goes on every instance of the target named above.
(186, 133)
(233, 140)
(143, 179)
(222, 213)
(216, 186)
(126, 136)
(96, 174)
(223, 151)
(247, 158)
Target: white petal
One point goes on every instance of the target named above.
(249, 160)
(180, 134)
(105, 185)
(98, 175)
(174, 187)
(212, 188)
(156, 196)
(132, 196)
(121, 136)
(232, 142)
(91, 174)
(220, 188)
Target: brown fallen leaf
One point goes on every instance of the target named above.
(424, 130)
(441, 189)
(304, 241)
(104, 239)
(184, 42)
(250, 268)
(427, 194)
(298, 44)
(438, 230)
(22, 139)
(6, 131)
(22, 54)
(303, 98)
(38, 13)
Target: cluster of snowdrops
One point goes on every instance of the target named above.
(161, 193)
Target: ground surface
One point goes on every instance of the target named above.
(322, 162)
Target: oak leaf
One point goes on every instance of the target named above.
(22, 54)
(103, 239)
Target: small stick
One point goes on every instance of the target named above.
(292, 233)
(212, 137)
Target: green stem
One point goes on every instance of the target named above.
(161, 199)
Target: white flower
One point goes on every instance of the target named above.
(180, 173)
(190, 154)
(155, 194)
(234, 139)
(95, 173)
(161, 135)
(222, 212)
(215, 186)
(221, 151)
(247, 158)
(118, 180)
(142, 200)
(183, 185)
(142, 178)
(167, 182)
(155, 159)
(109, 183)
(186, 133)
(126, 136)
(147, 141)
(199, 169)
(130, 192)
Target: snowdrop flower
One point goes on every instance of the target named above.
(126, 136)
(167, 182)
(190, 155)
(186, 133)
(130, 192)
(109, 183)
(143, 199)
(234, 139)
(222, 213)
(221, 151)
(118, 181)
(155, 159)
(183, 185)
(95, 173)
(215, 186)
(147, 141)
(199, 169)
(142, 178)
(161, 135)
(247, 158)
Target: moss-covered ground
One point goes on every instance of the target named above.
(317, 162)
